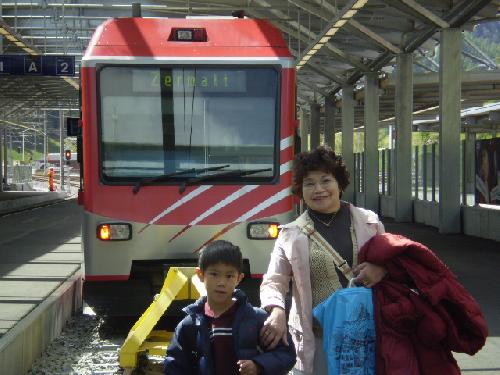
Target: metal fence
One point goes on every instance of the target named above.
(20, 174)
(425, 173)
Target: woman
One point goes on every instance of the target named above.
(320, 177)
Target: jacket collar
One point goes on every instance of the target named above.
(365, 216)
(198, 306)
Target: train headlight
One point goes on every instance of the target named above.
(262, 230)
(114, 232)
(188, 35)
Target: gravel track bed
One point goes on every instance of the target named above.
(83, 348)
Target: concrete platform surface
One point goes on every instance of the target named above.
(40, 279)
(15, 201)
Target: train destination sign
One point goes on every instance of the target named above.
(200, 79)
(38, 65)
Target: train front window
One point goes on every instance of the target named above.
(159, 120)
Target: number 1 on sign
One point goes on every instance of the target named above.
(1, 66)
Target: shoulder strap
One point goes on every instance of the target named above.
(312, 233)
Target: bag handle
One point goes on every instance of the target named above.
(352, 283)
(340, 262)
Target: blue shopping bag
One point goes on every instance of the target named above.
(348, 331)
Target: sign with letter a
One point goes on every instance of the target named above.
(33, 65)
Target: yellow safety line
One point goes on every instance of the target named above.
(177, 285)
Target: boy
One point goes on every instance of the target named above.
(220, 334)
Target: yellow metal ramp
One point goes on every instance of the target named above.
(181, 283)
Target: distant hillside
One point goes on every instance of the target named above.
(489, 31)
(486, 37)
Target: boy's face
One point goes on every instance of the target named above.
(220, 280)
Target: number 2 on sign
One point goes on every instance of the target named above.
(1, 66)
(64, 67)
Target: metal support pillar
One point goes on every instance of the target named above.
(330, 122)
(347, 138)
(304, 130)
(315, 131)
(5, 156)
(61, 149)
(45, 140)
(2, 174)
(404, 121)
(450, 68)
(371, 141)
(470, 165)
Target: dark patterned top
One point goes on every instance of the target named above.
(221, 339)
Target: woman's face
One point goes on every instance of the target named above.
(321, 192)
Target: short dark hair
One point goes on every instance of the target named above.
(221, 251)
(321, 159)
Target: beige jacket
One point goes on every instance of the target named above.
(290, 260)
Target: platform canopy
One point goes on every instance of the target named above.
(335, 42)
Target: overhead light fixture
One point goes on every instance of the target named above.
(11, 38)
(341, 22)
(349, 11)
(332, 31)
(30, 51)
(72, 82)
(3, 31)
(20, 44)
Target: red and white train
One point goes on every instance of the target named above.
(188, 130)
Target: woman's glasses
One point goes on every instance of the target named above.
(323, 183)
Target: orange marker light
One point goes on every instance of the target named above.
(114, 231)
(262, 230)
(104, 232)
(273, 230)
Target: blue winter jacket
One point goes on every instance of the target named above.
(190, 351)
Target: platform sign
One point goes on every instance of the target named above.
(33, 65)
(488, 171)
(38, 65)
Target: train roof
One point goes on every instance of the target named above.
(149, 37)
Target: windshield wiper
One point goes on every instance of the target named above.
(234, 173)
(168, 176)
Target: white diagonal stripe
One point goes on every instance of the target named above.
(230, 198)
(180, 202)
(285, 143)
(285, 167)
(263, 205)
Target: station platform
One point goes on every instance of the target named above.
(40, 275)
(41, 279)
(15, 201)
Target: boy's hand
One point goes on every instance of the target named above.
(248, 367)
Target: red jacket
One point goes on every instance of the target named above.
(422, 312)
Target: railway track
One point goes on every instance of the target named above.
(89, 345)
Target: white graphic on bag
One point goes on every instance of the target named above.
(353, 344)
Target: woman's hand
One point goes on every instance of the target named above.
(274, 329)
(368, 274)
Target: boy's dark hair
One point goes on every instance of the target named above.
(322, 159)
(221, 252)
